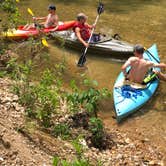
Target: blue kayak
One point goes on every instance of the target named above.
(128, 99)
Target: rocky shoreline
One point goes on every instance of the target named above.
(21, 147)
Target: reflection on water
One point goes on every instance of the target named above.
(137, 21)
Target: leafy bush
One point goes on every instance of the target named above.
(78, 146)
(58, 162)
(13, 15)
(62, 130)
(86, 99)
(98, 135)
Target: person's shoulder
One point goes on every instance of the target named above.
(133, 58)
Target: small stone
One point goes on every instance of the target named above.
(145, 140)
(152, 163)
(119, 156)
(127, 140)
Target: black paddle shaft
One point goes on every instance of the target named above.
(153, 56)
(82, 59)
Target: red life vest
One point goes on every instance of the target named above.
(84, 30)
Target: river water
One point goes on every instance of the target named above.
(137, 21)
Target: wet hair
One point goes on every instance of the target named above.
(81, 16)
(51, 7)
(139, 49)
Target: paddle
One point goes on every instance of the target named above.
(151, 55)
(30, 12)
(154, 75)
(82, 59)
(44, 42)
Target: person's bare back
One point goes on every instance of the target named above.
(139, 68)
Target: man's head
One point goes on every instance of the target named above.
(81, 16)
(138, 50)
(51, 8)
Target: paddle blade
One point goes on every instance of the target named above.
(44, 42)
(81, 61)
(30, 12)
(100, 8)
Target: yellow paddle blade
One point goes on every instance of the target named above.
(44, 42)
(30, 12)
(18, 1)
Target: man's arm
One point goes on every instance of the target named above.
(160, 65)
(91, 26)
(77, 31)
(39, 18)
(124, 67)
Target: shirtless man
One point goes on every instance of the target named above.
(140, 67)
(49, 21)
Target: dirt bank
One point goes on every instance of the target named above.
(19, 146)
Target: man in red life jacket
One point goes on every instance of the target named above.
(82, 29)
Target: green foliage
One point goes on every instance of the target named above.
(86, 99)
(19, 72)
(13, 18)
(62, 130)
(81, 162)
(96, 125)
(3, 47)
(35, 49)
(9, 6)
(2, 74)
(46, 98)
(60, 67)
(55, 161)
(58, 162)
(47, 79)
(44, 114)
(41, 100)
(78, 146)
(97, 130)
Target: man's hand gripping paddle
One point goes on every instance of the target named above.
(44, 42)
(82, 60)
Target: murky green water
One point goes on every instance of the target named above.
(137, 21)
